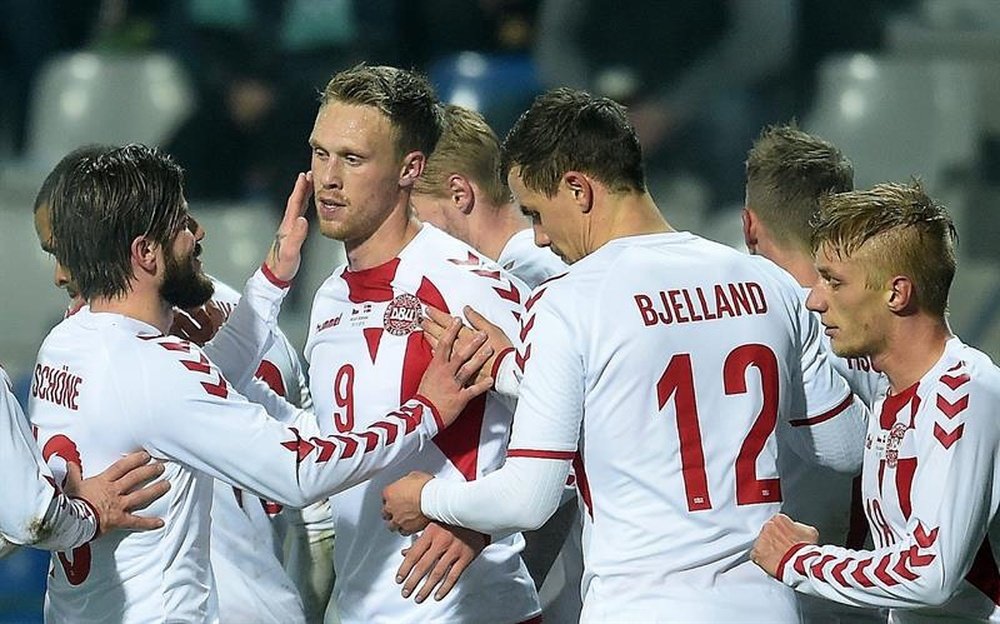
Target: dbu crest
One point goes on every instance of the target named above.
(403, 315)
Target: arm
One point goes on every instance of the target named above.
(34, 512)
(235, 441)
(928, 559)
(828, 425)
(241, 342)
(527, 489)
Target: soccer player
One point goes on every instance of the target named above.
(660, 367)
(373, 130)
(788, 171)
(251, 583)
(886, 261)
(461, 192)
(35, 512)
(122, 232)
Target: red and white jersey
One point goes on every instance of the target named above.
(529, 262)
(252, 583)
(931, 496)
(134, 388)
(830, 500)
(661, 365)
(32, 510)
(366, 351)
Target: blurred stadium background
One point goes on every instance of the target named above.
(904, 87)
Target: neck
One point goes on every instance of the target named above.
(385, 243)
(913, 347)
(794, 261)
(142, 304)
(629, 214)
(491, 227)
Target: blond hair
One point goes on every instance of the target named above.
(898, 230)
(468, 147)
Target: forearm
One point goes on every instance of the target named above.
(243, 339)
(520, 496)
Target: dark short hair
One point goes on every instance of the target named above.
(44, 196)
(788, 171)
(406, 98)
(103, 202)
(899, 230)
(571, 130)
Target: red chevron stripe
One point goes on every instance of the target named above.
(954, 381)
(817, 568)
(350, 445)
(860, 576)
(219, 389)
(882, 572)
(300, 447)
(952, 409)
(837, 572)
(945, 438)
(799, 565)
(510, 294)
(326, 449)
(533, 299)
(522, 360)
(183, 346)
(917, 560)
(201, 366)
(371, 440)
(527, 328)
(901, 570)
(391, 430)
(925, 539)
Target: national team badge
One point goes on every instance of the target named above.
(892, 444)
(403, 315)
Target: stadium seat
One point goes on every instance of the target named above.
(895, 118)
(85, 97)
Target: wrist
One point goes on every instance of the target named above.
(438, 421)
(274, 279)
(785, 558)
(93, 510)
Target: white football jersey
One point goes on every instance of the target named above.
(32, 510)
(137, 389)
(831, 500)
(366, 351)
(529, 262)
(661, 366)
(252, 583)
(931, 497)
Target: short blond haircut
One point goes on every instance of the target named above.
(898, 230)
(467, 147)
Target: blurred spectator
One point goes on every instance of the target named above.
(258, 65)
(700, 76)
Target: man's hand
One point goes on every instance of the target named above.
(776, 537)
(451, 369)
(439, 555)
(401, 503)
(286, 251)
(116, 492)
(198, 325)
(437, 322)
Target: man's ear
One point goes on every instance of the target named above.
(413, 166)
(751, 224)
(900, 296)
(581, 188)
(143, 253)
(461, 193)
